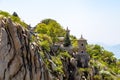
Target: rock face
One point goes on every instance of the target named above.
(19, 59)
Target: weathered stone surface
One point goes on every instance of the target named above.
(18, 60)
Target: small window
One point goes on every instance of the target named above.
(81, 51)
(82, 44)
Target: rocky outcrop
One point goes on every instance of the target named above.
(19, 59)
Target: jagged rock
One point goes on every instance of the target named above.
(19, 59)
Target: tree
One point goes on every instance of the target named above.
(51, 28)
(15, 14)
(67, 41)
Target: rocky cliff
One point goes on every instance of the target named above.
(23, 57)
(19, 59)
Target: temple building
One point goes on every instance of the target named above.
(82, 56)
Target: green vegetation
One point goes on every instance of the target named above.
(51, 28)
(44, 41)
(67, 41)
(46, 35)
(101, 59)
(13, 17)
(105, 61)
(4, 14)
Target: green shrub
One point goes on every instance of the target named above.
(97, 77)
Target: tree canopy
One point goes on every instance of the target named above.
(67, 41)
(51, 28)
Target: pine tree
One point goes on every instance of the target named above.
(15, 14)
(67, 41)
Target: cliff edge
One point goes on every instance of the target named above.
(19, 59)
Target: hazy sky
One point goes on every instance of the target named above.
(96, 20)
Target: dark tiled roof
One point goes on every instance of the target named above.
(82, 38)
